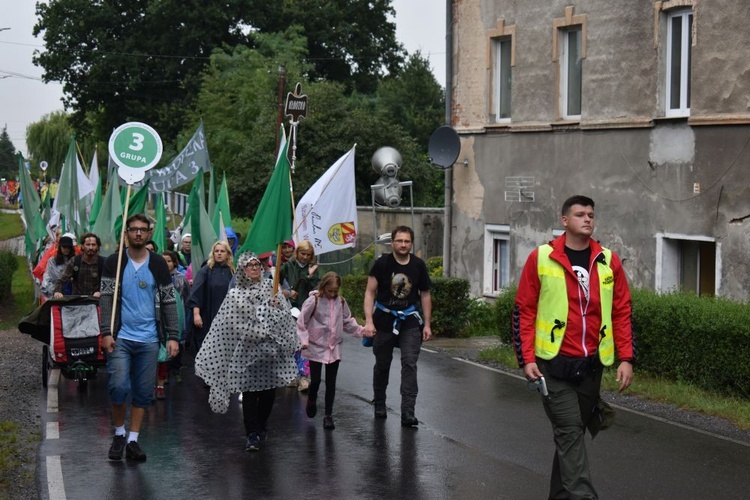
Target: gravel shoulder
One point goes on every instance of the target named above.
(20, 396)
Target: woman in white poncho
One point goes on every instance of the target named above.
(249, 349)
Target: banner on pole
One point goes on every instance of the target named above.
(183, 168)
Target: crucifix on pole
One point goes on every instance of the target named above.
(296, 109)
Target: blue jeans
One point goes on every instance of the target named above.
(410, 342)
(132, 368)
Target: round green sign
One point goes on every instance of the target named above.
(136, 146)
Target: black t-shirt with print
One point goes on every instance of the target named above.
(398, 287)
(579, 261)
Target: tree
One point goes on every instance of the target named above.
(413, 98)
(132, 61)
(8, 160)
(238, 105)
(348, 42)
(48, 140)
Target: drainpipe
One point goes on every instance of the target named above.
(448, 213)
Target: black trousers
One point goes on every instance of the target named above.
(256, 408)
(332, 370)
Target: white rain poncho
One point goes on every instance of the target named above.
(251, 343)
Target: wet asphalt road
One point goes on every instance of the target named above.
(482, 435)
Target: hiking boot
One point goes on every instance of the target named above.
(312, 408)
(328, 422)
(304, 384)
(160, 393)
(380, 411)
(134, 452)
(253, 442)
(409, 420)
(117, 448)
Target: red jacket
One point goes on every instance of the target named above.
(524, 315)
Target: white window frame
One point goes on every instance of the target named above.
(565, 70)
(498, 78)
(496, 233)
(667, 273)
(685, 56)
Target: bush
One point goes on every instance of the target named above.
(700, 340)
(8, 265)
(353, 290)
(450, 306)
(503, 311)
(435, 266)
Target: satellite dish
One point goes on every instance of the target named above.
(444, 147)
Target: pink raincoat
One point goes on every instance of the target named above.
(321, 327)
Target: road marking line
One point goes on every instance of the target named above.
(652, 417)
(53, 430)
(55, 484)
(52, 400)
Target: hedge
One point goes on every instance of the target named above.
(8, 265)
(704, 341)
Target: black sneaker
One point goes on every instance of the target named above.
(328, 422)
(253, 442)
(409, 420)
(117, 448)
(134, 452)
(380, 411)
(312, 408)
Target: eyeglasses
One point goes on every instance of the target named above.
(135, 230)
(253, 265)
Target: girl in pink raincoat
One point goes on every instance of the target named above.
(324, 318)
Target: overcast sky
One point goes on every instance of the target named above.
(24, 99)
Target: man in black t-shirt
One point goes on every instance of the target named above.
(398, 308)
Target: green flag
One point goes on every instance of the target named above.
(222, 209)
(67, 195)
(108, 224)
(160, 227)
(96, 202)
(138, 200)
(203, 236)
(212, 194)
(197, 185)
(273, 219)
(31, 215)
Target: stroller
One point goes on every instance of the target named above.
(69, 329)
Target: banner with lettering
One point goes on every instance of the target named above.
(183, 168)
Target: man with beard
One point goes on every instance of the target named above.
(398, 308)
(83, 271)
(145, 318)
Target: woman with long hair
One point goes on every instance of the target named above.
(56, 266)
(209, 288)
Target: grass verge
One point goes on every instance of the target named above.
(10, 226)
(677, 393)
(22, 289)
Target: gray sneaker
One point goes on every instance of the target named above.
(117, 448)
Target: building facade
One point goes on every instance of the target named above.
(642, 105)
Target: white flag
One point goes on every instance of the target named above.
(94, 171)
(327, 213)
(84, 184)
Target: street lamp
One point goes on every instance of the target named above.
(3, 29)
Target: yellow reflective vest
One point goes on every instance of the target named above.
(552, 309)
